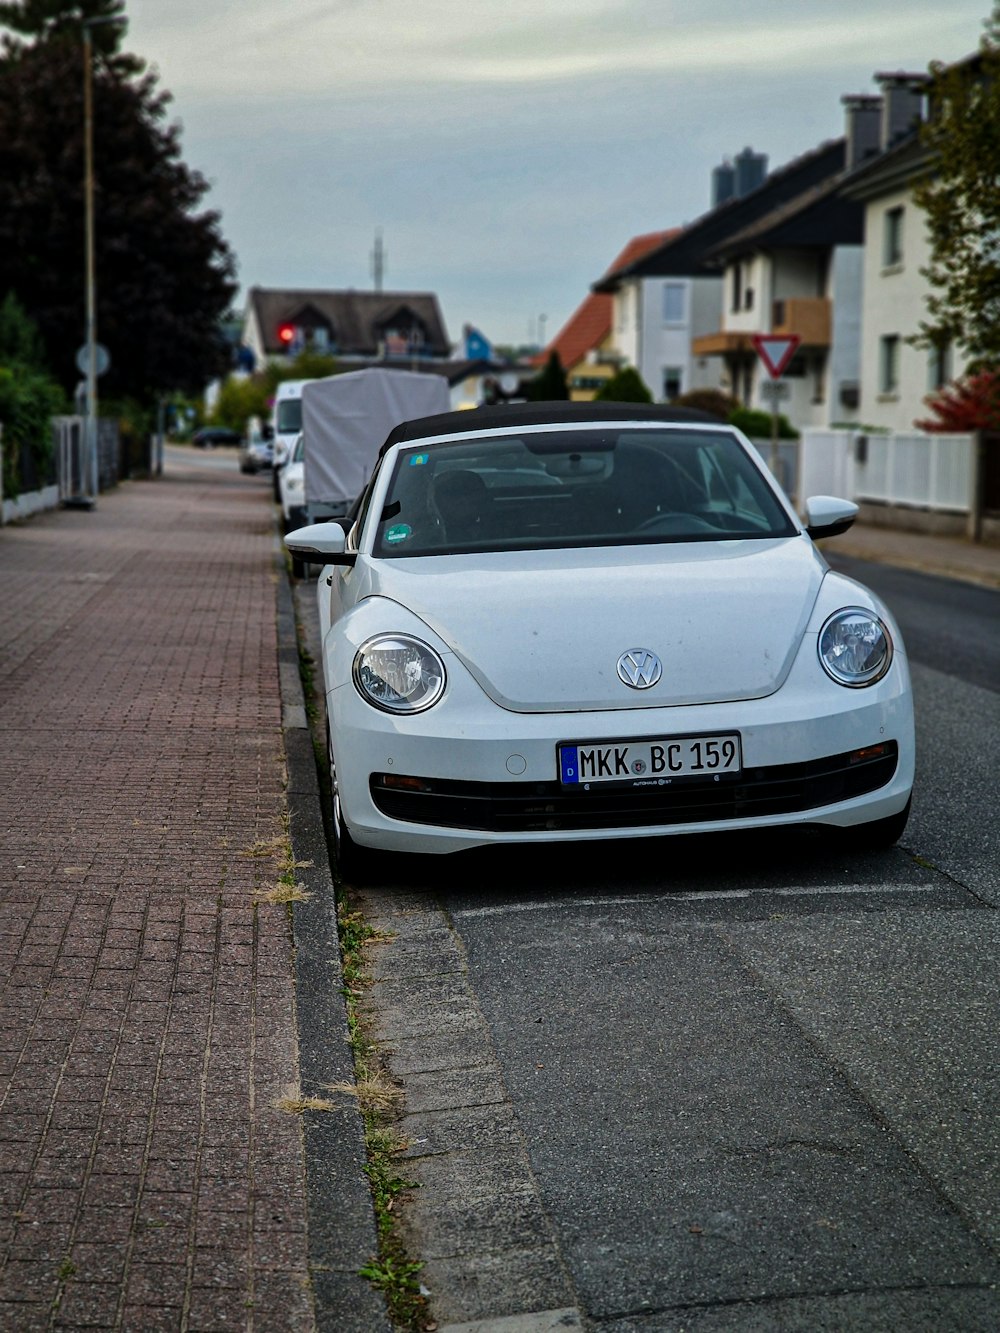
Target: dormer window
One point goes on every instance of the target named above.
(403, 334)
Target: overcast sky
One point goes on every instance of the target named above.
(507, 149)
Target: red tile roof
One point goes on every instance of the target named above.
(590, 323)
(642, 245)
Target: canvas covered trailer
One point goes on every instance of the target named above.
(345, 420)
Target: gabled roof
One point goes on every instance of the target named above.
(818, 219)
(892, 170)
(640, 246)
(590, 323)
(585, 329)
(685, 253)
(357, 319)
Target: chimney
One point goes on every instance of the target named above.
(902, 104)
(732, 180)
(863, 128)
(751, 170)
(723, 183)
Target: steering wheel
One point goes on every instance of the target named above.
(673, 524)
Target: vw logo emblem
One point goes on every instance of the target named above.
(639, 669)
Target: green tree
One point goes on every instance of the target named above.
(165, 274)
(713, 401)
(758, 424)
(960, 197)
(241, 399)
(626, 386)
(549, 385)
(29, 397)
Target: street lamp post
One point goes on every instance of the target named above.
(90, 427)
(90, 469)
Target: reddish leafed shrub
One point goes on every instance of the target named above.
(969, 404)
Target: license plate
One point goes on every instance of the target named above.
(650, 763)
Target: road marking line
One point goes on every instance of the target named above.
(701, 896)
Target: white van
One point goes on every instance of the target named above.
(286, 423)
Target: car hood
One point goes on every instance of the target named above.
(542, 631)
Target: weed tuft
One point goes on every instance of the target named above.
(293, 1102)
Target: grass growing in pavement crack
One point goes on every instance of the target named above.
(393, 1272)
(287, 889)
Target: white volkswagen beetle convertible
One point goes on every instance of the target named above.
(564, 622)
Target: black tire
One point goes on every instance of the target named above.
(883, 833)
(298, 567)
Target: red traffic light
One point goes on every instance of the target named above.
(286, 334)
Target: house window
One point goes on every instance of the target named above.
(673, 303)
(737, 286)
(888, 369)
(892, 238)
(939, 372)
(673, 383)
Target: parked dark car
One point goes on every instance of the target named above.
(207, 437)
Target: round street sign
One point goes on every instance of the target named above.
(102, 359)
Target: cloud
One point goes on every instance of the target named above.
(352, 47)
(509, 148)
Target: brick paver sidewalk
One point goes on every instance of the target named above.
(147, 1020)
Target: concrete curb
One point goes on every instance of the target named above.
(342, 1233)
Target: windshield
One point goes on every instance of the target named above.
(289, 415)
(572, 487)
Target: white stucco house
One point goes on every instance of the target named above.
(896, 376)
(654, 324)
(684, 316)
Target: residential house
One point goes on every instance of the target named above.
(586, 344)
(669, 299)
(655, 320)
(796, 271)
(897, 376)
(360, 327)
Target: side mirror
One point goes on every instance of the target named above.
(320, 544)
(827, 516)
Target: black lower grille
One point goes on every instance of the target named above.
(507, 807)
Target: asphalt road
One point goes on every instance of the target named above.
(724, 1083)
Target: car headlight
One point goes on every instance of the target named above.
(294, 484)
(855, 647)
(398, 674)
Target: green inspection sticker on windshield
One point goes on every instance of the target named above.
(418, 460)
(398, 533)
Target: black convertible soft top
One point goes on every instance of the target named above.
(513, 415)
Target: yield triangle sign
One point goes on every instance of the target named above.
(775, 350)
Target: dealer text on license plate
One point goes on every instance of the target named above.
(652, 762)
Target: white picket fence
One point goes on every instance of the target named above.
(917, 470)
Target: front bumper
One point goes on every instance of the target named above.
(478, 775)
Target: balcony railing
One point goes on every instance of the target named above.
(808, 316)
